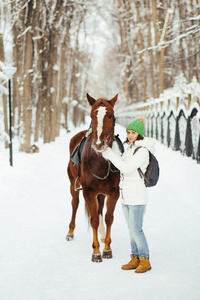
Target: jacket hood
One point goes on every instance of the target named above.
(148, 143)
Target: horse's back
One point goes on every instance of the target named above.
(72, 168)
(76, 139)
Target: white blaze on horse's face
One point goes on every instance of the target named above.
(101, 112)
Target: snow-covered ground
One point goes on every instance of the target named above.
(37, 263)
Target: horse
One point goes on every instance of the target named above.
(99, 178)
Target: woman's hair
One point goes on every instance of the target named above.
(139, 138)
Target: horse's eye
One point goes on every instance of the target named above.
(110, 117)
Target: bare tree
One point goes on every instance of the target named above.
(4, 96)
(150, 42)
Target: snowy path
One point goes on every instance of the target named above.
(36, 263)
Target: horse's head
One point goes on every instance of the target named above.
(103, 122)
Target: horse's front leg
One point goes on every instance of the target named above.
(92, 206)
(111, 203)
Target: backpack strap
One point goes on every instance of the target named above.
(119, 143)
(142, 175)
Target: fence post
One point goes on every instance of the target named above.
(189, 101)
(168, 104)
(177, 102)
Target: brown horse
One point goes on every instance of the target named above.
(99, 178)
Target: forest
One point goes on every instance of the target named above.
(63, 49)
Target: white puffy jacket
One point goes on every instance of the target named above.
(132, 187)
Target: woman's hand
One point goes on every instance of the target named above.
(107, 153)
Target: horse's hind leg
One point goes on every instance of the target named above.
(92, 206)
(100, 213)
(75, 203)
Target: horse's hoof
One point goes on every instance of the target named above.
(107, 254)
(96, 258)
(69, 237)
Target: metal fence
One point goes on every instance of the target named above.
(174, 121)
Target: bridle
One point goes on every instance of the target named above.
(112, 130)
(108, 162)
(96, 176)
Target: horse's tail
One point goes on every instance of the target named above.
(87, 215)
(100, 204)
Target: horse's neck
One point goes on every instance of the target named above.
(92, 155)
(92, 151)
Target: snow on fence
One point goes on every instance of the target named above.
(173, 119)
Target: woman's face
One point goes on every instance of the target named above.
(132, 135)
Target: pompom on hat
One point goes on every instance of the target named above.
(137, 125)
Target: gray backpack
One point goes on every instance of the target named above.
(151, 175)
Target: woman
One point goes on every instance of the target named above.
(133, 191)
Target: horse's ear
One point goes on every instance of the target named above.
(113, 100)
(90, 99)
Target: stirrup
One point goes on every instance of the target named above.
(77, 188)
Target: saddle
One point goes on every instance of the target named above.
(77, 153)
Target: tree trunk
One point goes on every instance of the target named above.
(28, 79)
(54, 82)
(153, 94)
(18, 55)
(39, 44)
(62, 85)
(156, 34)
(5, 111)
(124, 51)
(47, 100)
(162, 50)
(142, 55)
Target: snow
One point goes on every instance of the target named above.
(37, 263)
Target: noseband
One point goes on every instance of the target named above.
(108, 162)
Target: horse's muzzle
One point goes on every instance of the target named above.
(100, 147)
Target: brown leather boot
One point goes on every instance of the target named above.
(133, 264)
(144, 265)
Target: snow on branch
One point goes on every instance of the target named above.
(183, 58)
(3, 90)
(181, 20)
(3, 79)
(25, 31)
(164, 44)
(38, 37)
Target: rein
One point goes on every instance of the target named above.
(108, 162)
(111, 132)
(96, 176)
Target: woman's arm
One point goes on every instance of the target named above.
(140, 158)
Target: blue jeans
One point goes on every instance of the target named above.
(134, 218)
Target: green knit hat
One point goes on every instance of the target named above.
(137, 126)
